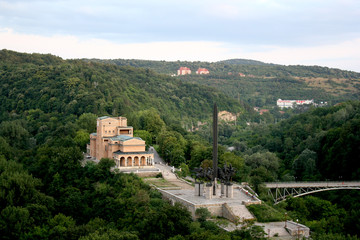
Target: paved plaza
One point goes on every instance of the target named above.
(240, 196)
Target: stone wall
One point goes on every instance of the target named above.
(297, 229)
(172, 198)
(146, 174)
(228, 214)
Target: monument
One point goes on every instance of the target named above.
(212, 175)
(228, 203)
(215, 147)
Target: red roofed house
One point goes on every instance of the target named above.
(262, 111)
(202, 71)
(183, 71)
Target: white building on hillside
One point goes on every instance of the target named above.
(291, 103)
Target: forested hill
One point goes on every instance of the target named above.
(261, 84)
(242, 62)
(48, 83)
(234, 66)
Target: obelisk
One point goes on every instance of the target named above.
(215, 147)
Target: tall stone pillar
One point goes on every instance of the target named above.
(222, 189)
(229, 190)
(201, 189)
(215, 147)
(208, 191)
(197, 189)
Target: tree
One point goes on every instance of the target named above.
(14, 221)
(81, 139)
(202, 214)
(87, 122)
(267, 160)
(15, 134)
(304, 165)
(172, 147)
(150, 121)
(62, 227)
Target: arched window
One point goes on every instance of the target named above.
(129, 162)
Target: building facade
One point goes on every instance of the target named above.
(114, 139)
(291, 103)
(183, 71)
(202, 71)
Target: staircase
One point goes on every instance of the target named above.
(241, 211)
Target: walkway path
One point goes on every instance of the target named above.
(167, 172)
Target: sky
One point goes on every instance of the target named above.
(288, 32)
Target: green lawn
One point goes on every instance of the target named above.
(159, 182)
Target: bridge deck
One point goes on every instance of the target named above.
(311, 184)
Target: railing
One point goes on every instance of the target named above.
(312, 184)
(279, 191)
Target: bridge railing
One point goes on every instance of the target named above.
(312, 184)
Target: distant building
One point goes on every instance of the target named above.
(183, 71)
(242, 75)
(202, 71)
(291, 103)
(227, 116)
(262, 111)
(114, 139)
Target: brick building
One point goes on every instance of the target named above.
(183, 71)
(114, 139)
(202, 71)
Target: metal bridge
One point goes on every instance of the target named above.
(280, 190)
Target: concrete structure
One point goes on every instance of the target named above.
(114, 139)
(202, 71)
(183, 71)
(291, 103)
(297, 230)
(233, 208)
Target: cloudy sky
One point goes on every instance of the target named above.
(306, 32)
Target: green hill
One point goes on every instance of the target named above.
(241, 62)
(50, 105)
(262, 84)
(48, 83)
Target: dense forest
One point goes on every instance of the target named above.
(262, 84)
(50, 105)
(74, 87)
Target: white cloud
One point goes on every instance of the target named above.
(344, 55)
(72, 47)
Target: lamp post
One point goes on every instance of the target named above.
(298, 233)
(285, 219)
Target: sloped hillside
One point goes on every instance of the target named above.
(30, 81)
